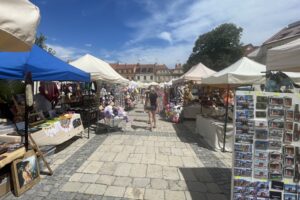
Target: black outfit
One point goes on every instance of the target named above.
(153, 100)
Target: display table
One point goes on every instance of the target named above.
(52, 132)
(213, 132)
(11, 156)
(191, 111)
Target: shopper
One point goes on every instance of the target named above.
(151, 106)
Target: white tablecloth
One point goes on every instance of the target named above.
(213, 132)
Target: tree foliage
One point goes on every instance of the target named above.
(41, 42)
(218, 48)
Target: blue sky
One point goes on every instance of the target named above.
(148, 31)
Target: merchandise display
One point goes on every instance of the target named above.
(266, 157)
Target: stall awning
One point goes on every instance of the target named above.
(42, 65)
(196, 73)
(18, 22)
(242, 72)
(99, 69)
(285, 57)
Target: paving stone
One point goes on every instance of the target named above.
(154, 171)
(138, 170)
(134, 158)
(196, 186)
(71, 187)
(170, 173)
(141, 182)
(177, 185)
(108, 168)
(105, 179)
(213, 188)
(152, 194)
(123, 169)
(115, 191)
(96, 189)
(121, 157)
(123, 181)
(215, 196)
(175, 161)
(108, 156)
(89, 178)
(148, 158)
(93, 167)
(174, 195)
(134, 193)
(159, 184)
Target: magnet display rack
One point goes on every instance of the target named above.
(266, 157)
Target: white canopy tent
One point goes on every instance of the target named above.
(285, 57)
(196, 73)
(242, 72)
(99, 69)
(18, 22)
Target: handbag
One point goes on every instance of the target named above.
(148, 105)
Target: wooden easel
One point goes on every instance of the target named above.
(39, 153)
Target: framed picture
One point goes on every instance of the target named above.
(25, 173)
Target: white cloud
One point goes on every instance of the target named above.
(67, 53)
(88, 45)
(181, 22)
(165, 36)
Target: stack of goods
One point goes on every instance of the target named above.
(267, 152)
(173, 112)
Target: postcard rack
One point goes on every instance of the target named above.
(266, 156)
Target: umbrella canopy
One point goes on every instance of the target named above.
(285, 57)
(43, 66)
(99, 69)
(18, 22)
(242, 72)
(196, 73)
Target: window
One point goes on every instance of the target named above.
(138, 77)
(145, 78)
(125, 71)
(151, 77)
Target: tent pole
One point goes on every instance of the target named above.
(28, 80)
(226, 118)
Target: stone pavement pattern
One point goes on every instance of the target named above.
(169, 163)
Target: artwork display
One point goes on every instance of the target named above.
(25, 173)
(266, 158)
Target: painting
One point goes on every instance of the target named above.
(25, 173)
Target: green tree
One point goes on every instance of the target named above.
(218, 48)
(41, 42)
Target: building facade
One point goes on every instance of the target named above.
(148, 72)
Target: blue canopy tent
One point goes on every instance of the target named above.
(42, 65)
(37, 65)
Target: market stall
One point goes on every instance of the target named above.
(242, 72)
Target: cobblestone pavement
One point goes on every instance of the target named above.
(169, 163)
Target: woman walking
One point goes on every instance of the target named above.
(151, 107)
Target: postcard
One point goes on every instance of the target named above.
(277, 185)
(243, 147)
(261, 124)
(276, 112)
(288, 172)
(260, 174)
(261, 145)
(276, 101)
(243, 156)
(275, 134)
(288, 126)
(288, 137)
(261, 164)
(289, 115)
(241, 182)
(276, 124)
(290, 188)
(287, 102)
(243, 163)
(261, 134)
(261, 155)
(260, 114)
(275, 156)
(261, 106)
(290, 196)
(243, 172)
(275, 144)
(289, 161)
(289, 150)
(275, 167)
(262, 99)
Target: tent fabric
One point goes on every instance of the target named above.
(99, 69)
(42, 65)
(285, 57)
(196, 73)
(18, 23)
(242, 72)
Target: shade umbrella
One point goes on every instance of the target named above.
(18, 22)
(285, 57)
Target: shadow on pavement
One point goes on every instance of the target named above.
(202, 184)
(139, 127)
(141, 120)
(187, 136)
